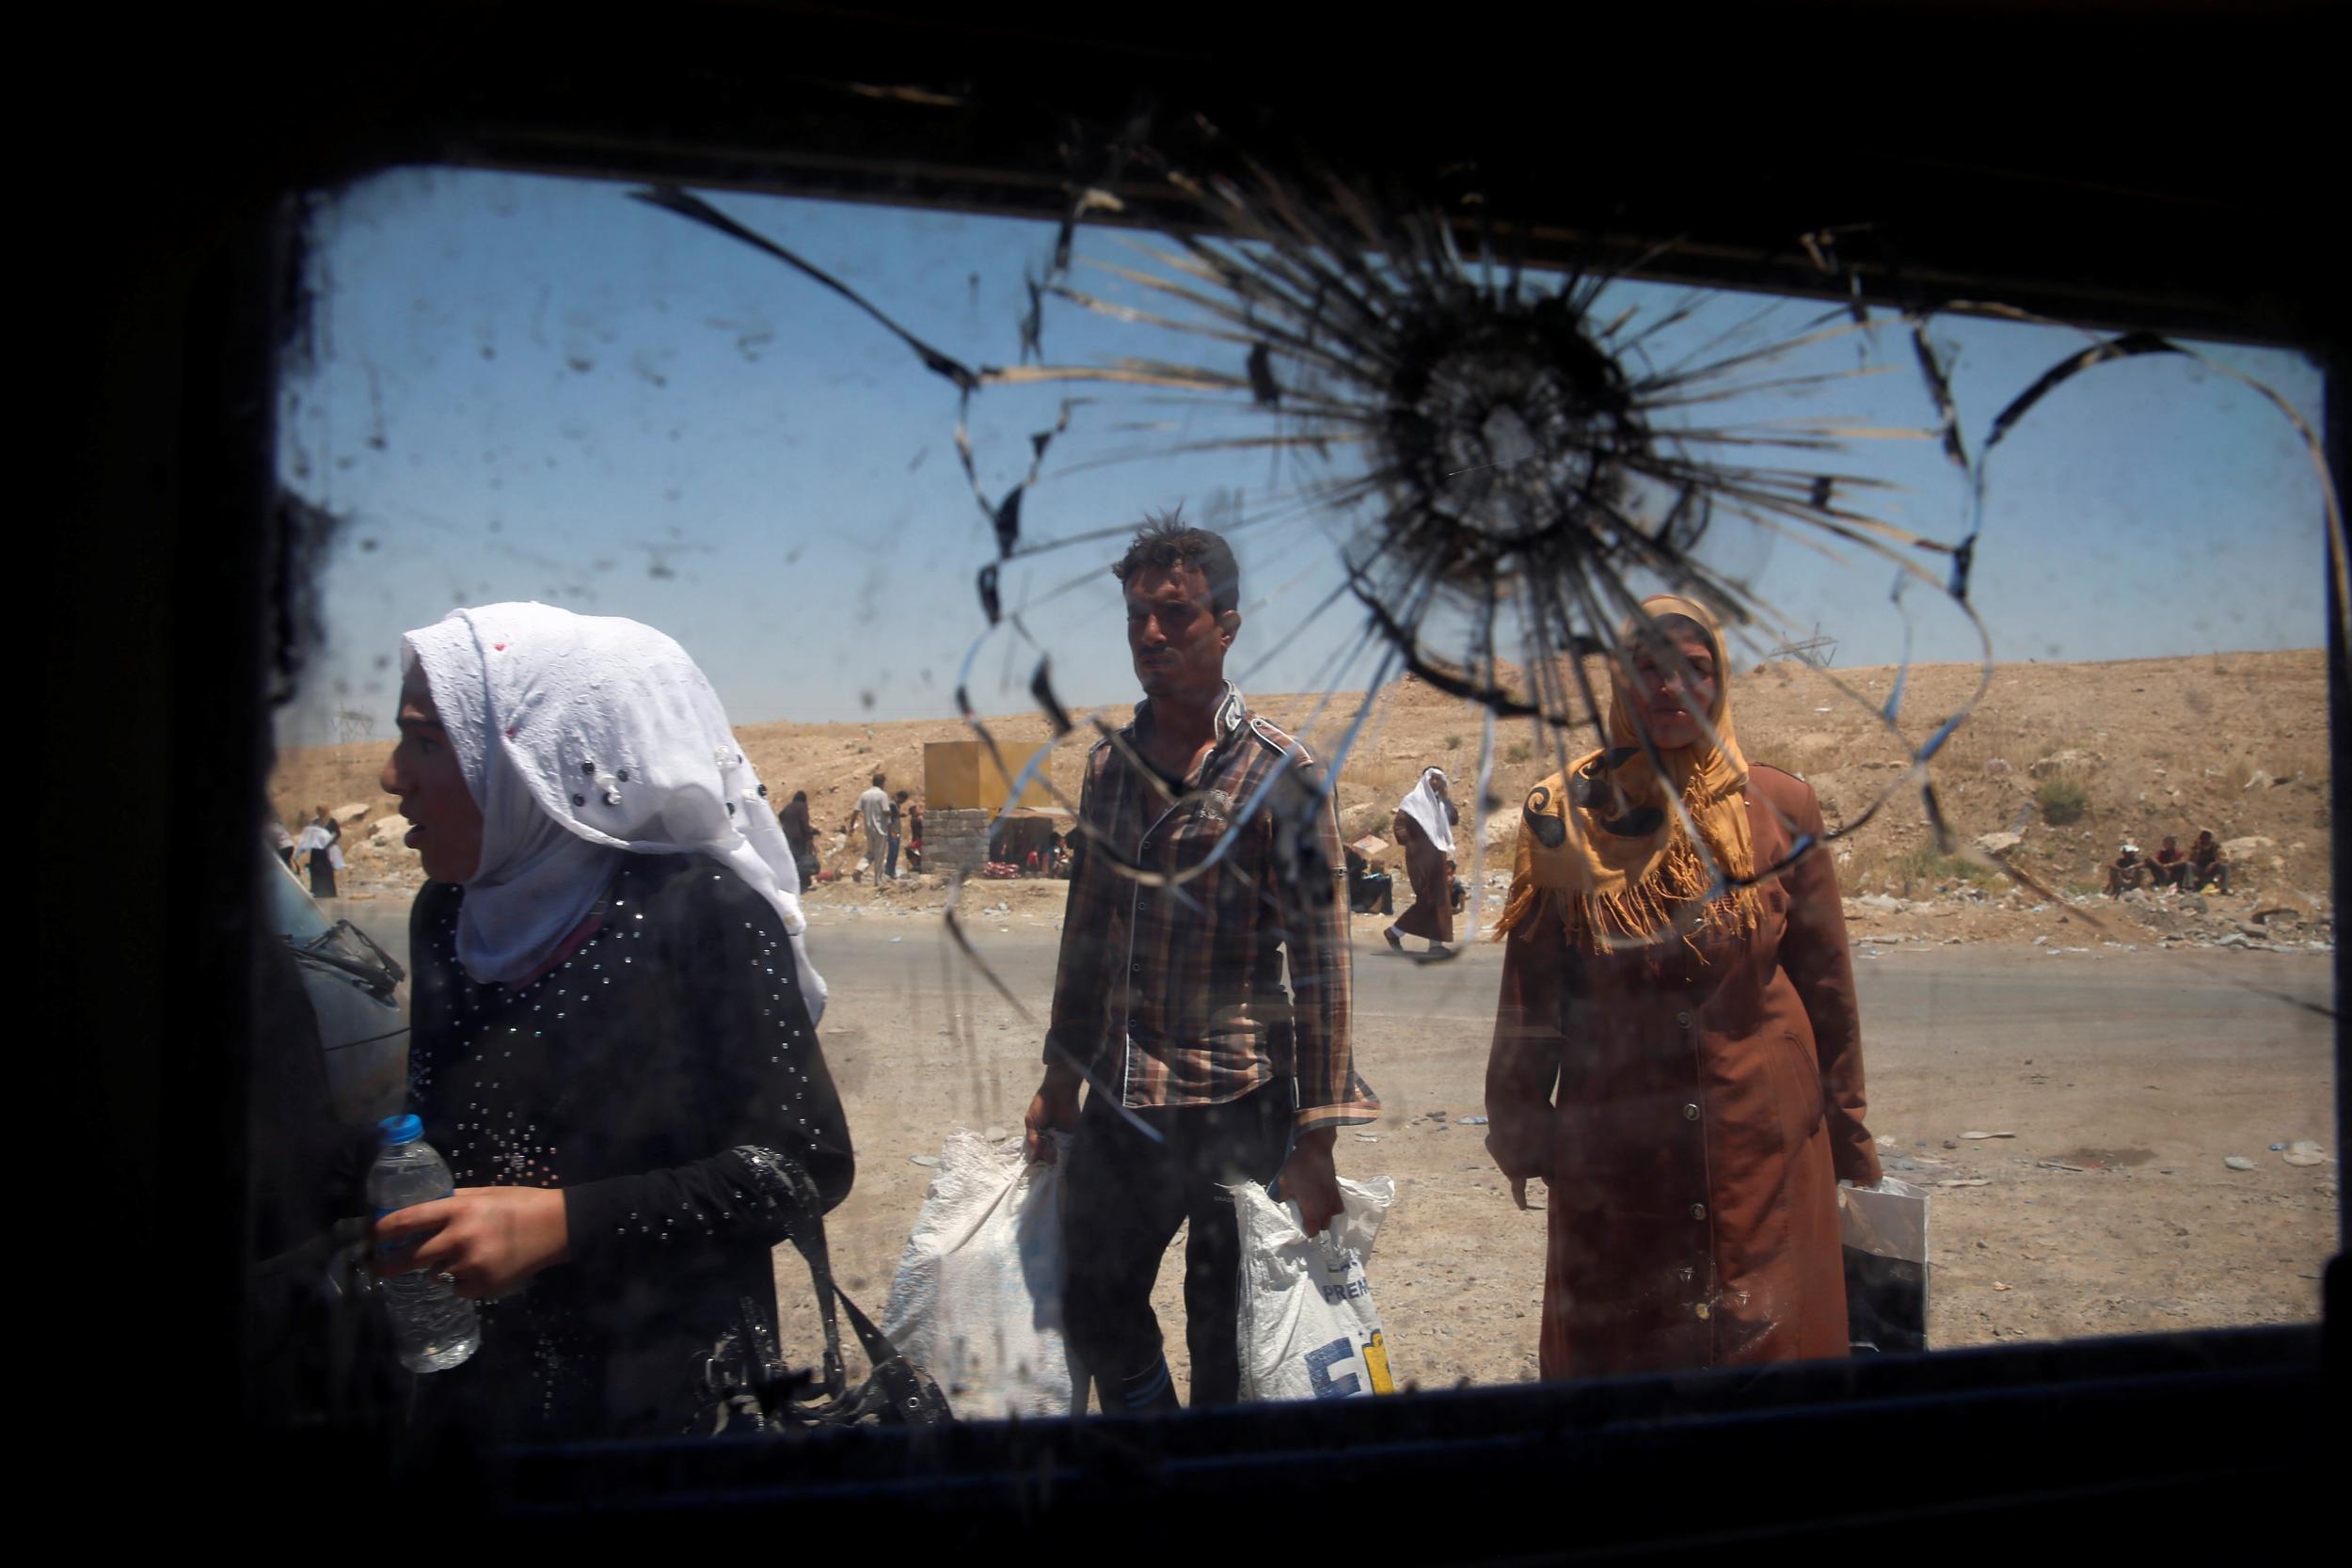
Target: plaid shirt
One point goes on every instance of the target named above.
(1174, 995)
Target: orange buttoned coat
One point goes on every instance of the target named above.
(1690, 1113)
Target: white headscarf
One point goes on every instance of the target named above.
(583, 737)
(1426, 804)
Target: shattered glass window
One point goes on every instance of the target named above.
(1825, 962)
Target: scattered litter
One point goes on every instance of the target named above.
(2002, 1285)
(2061, 1164)
(925, 1160)
(2238, 1162)
(1966, 1182)
(1367, 1137)
(1470, 1121)
(994, 1134)
(2278, 1149)
(898, 938)
(2303, 1151)
(1973, 1137)
(1886, 1142)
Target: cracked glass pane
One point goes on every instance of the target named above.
(1590, 717)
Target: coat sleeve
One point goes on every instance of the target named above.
(1523, 1063)
(1331, 1093)
(777, 1141)
(1818, 961)
(1075, 1031)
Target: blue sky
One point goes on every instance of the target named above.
(526, 388)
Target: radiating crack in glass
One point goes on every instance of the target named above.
(1515, 461)
(1514, 456)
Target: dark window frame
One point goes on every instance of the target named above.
(173, 399)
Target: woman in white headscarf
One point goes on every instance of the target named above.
(317, 851)
(613, 1035)
(1423, 828)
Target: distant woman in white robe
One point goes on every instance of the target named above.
(316, 848)
(1423, 828)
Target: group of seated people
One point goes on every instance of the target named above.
(2193, 870)
(1368, 891)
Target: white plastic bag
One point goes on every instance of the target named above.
(977, 1298)
(1309, 1329)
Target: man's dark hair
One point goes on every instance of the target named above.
(878, 779)
(902, 795)
(1166, 540)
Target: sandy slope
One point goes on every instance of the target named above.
(2234, 741)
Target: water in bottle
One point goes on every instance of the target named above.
(433, 1328)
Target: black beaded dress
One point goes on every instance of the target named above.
(660, 1075)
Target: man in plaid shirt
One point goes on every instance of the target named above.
(1208, 863)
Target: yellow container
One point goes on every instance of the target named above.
(960, 775)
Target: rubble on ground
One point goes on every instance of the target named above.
(2138, 920)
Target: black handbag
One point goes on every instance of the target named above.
(747, 1387)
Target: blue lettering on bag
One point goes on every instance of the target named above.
(1353, 1290)
(1319, 1362)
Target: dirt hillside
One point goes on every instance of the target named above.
(2070, 757)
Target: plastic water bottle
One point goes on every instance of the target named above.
(433, 1328)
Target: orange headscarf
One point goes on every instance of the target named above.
(1603, 841)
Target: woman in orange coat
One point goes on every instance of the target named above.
(1677, 1050)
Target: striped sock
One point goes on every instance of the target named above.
(1153, 1389)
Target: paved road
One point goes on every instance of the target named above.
(2152, 1000)
(2122, 1080)
(2155, 995)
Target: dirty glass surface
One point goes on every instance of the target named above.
(2009, 608)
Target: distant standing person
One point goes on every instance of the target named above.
(280, 840)
(1423, 827)
(873, 816)
(898, 820)
(915, 836)
(800, 834)
(316, 845)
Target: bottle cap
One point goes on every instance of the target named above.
(401, 1130)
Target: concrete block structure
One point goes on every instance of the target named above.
(954, 839)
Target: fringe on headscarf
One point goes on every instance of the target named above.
(1638, 914)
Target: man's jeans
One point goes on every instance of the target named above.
(1124, 1196)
